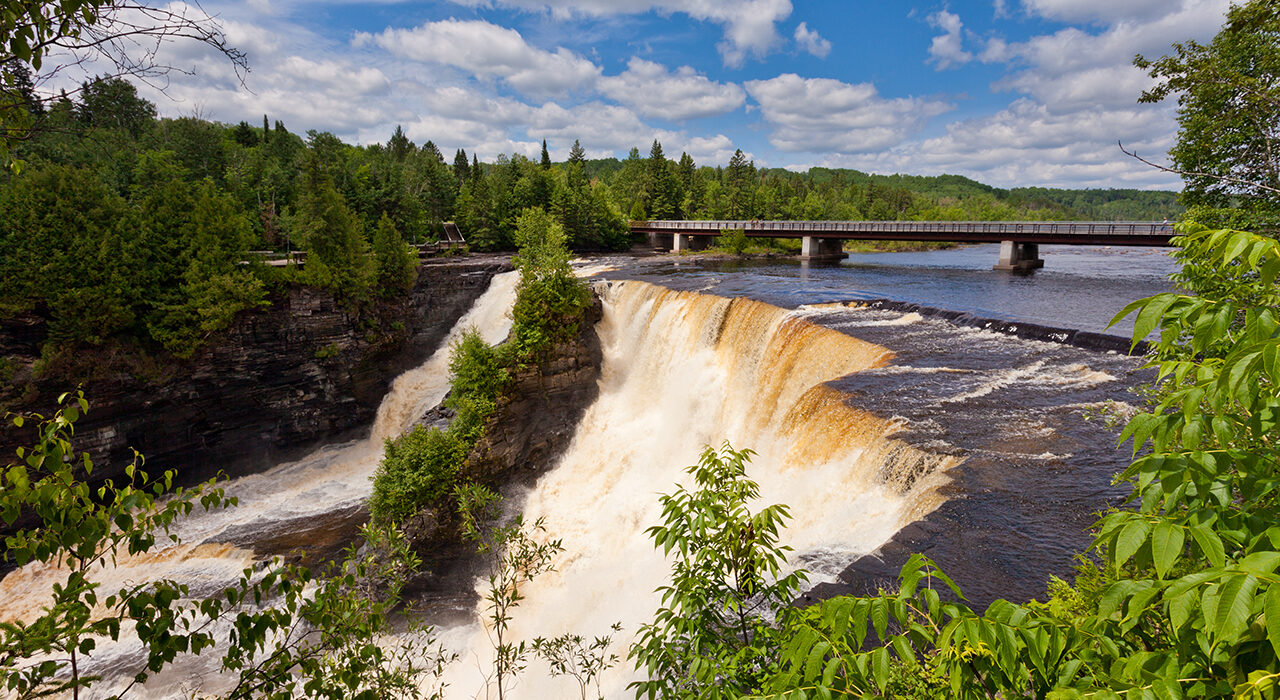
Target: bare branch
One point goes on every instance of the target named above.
(1192, 173)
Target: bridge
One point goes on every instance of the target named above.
(823, 240)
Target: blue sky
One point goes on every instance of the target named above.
(1009, 92)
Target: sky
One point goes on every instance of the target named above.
(1008, 92)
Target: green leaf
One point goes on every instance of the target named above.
(1166, 546)
(1271, 608)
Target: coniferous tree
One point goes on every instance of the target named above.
(399, 146)
(337, 255)
(660, 185)
(396, 261)
(740, 186)
(576, 154)
(546, 156)
(461, 168)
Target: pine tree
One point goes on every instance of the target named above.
(546, 156)
(660, 186)
(739, 184)
(576, 154)
(461, 168)
(337, 255)
(266, 130)
(395, 262)
(399, 146)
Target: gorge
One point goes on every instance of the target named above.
(873, 425)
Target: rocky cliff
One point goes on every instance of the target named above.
(278, 382)
(531, 426)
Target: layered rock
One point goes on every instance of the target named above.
(279, 381)
(531, 426)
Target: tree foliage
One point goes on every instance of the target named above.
(291, 632)
(1228, 147)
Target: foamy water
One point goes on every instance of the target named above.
(683, 370)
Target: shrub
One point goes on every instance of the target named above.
(418, 468)
(733, 240)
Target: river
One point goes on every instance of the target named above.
(885, 430)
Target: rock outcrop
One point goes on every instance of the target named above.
(534, 420)
(276, 383)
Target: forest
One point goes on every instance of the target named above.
(121, 223)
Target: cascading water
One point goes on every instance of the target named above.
(683, 370)
(290, 501)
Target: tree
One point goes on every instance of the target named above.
(113, 103)
(337, 255)
(461, 168)
(714, 636)
(399, 145)
(546, 156)
(396, 262)
(1228, 147)
(292, 633)
(740, 186)
(576, 154)
(660, 186)
(123, 36)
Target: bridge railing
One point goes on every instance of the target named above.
(1065, 228)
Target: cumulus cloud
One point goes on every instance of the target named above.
(1100, 11)
(488, 50)
(750, 26)
(1029, 144)
(821, 114)
(1073, 69)
(652, 90)
(709, 150)
(947, 50)
(810, 41)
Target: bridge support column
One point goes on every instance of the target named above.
(660, 241)
(813, 248)
(1023, 257)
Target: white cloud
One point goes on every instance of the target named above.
(1100, 11)
(947, 50)
(709, 150)
(821, 114)
(749, 25)
(1073, 69)
(1029, 144)
(488, 50)
(652, 90)
(809, 40)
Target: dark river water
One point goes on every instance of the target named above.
(1080, 287)
(1029, 417)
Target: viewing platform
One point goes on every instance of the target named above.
(823, 240)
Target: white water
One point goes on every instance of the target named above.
(330, 479)
(684, 370)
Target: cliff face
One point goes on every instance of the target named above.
(279, 381)
(531, 426)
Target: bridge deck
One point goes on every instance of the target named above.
(1125, 233)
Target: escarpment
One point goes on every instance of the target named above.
(279, 381)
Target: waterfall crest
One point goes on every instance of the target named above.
(683, 370)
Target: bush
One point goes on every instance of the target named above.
(479, 373)
(550, 299)
(419, 467)
(733, 240)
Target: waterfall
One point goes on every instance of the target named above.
(289, 500)
(683, 370)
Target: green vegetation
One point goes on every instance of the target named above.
(1229, 117)
(425, 466)
(294, 633)
(422, 467)
(549, 299)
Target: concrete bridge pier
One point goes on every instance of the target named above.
(814, 248)
(660, 241)
(684, 241)
(1023, 257)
